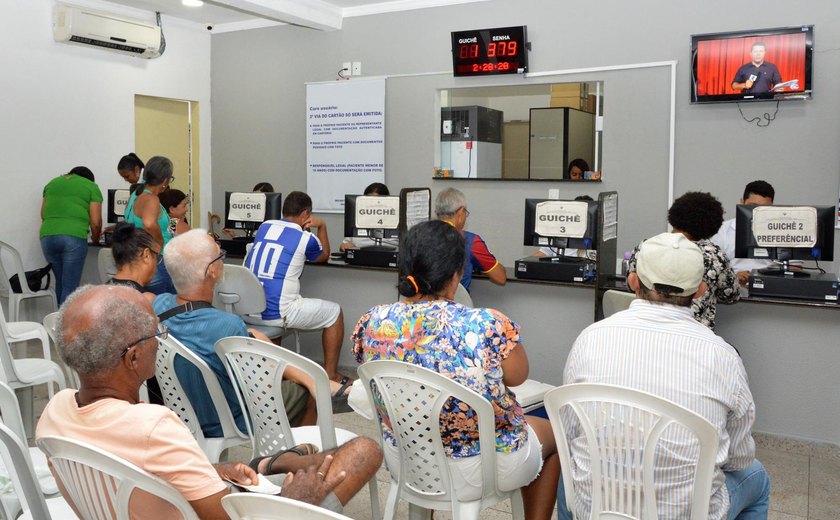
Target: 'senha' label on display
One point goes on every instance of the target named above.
(246, 207)
(785, 226)
(377, 212)
(564, 219)
(121, 201)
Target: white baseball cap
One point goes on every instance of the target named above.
(670, 259)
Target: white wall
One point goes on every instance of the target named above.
(67, 105)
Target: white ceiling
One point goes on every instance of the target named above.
(228, 15)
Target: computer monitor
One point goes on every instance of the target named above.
(561, 224)
(373, 217)
(117, 202)
(785, 233)
(247, 210)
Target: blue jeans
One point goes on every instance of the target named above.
(161, 283)
(749, 494)
(67, 255)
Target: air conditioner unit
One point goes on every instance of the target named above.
(83, 26)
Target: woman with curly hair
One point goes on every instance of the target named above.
(698, 216)
(478, 348)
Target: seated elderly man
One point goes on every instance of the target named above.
(108, 334)
(657, 346)
(194, 262)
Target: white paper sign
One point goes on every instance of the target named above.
(565, 219)
(121, 201)
(785, 226)
(345, 140)
(377, 212)
(246, 207)
(417, 207)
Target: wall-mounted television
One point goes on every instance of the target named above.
(759, 65)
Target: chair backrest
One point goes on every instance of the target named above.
(620, 429)
(8, 374)
(15, 455)
(106, 265)
(239, 292)
(10, 411)
(256, 506)
(51, 324)
(15, 268)
(462, 296)
(173, 392)
(409, 399)
(615, 301)
(256, 366)
(99, 485)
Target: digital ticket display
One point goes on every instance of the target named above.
(487, 52)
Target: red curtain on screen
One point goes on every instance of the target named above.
(719, 60)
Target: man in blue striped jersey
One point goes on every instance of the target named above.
(658, 347)
(281, 247)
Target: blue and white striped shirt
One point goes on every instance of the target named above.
(661, 349)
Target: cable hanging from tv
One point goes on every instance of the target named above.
(758, 120)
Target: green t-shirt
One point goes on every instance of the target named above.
(67, 206)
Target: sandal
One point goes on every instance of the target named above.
(300, 449)
(339, 398)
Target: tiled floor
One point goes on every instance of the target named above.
(805, 477)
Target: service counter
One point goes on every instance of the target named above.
(791, 349)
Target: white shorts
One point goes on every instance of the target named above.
(307, 314)
(513, 470)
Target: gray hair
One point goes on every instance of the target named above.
(115, 324)
(186, 257)
(448, 202)
(157, 170)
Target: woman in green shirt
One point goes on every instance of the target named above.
(71, 205)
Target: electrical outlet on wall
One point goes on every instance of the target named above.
(357, 68)
(347, 68)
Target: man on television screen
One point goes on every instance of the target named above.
(757, 76)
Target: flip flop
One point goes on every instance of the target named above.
(300, 449)
(339, 398)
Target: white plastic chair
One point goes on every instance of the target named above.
(20, 331)
(23, 462)
(15, 299)
(462, 296)
(620, 428)
(105, 264)
(28, 497)
(22, 374)
(412, 398)
(257, 366)
(241, 293)
(616, 301)
(176, 399)
(70, 375)
(100, 485)
(255, 506)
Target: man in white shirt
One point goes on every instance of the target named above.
(657, 346)
(759, 193)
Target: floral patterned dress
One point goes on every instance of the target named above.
(719, 277)
(465, 344)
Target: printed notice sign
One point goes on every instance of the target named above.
(417, 207)
(246, 207)
(377, 212)
(345, 140)
(121, 201)
(785, 226)
(564, 219)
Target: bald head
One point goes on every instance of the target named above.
(187, 257)
(96, 322)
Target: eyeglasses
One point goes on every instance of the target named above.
(466, 211)
(162, 333)
(222, 255)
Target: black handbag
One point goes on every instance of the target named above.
(34, 279)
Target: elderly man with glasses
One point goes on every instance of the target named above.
(196, 264)
(108, 334)
(451, 207)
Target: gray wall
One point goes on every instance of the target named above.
(259, 97)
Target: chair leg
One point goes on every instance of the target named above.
(297, 341)
(517, 505)
(391, 503)
(375, 513)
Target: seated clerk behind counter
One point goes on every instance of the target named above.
(760, 193)
(451, 207)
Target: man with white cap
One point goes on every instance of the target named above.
(658, 347)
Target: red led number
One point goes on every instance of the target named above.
(468, 51)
